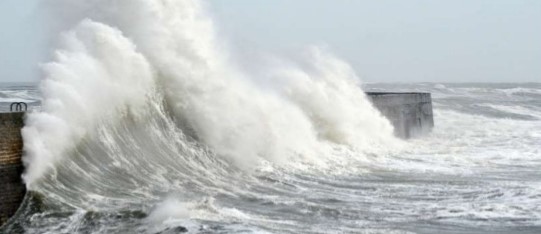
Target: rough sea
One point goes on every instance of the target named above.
(146, 120)
(477, 172)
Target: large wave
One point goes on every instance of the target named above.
(142, 97)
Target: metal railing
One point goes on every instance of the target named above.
(18, 107)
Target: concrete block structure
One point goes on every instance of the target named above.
(410, 113)
(12, 188)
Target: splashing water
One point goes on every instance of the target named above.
(141, 100)
(113, 65)
(147, 123)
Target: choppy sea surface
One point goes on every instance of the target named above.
(11, 93)
(477, 172)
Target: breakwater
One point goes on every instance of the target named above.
(12, 188)
(410, 113)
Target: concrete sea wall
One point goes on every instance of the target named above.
(12, 188)
(410, 113)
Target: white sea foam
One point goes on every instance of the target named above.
(141, 98)
(520, 90)
(169, 210)
(96, 75)
(121, 54)
(520, 110)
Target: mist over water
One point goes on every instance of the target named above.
(147, 123)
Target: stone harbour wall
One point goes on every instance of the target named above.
(12, 188)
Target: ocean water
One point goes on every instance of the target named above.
(477, 172)
(19, 92)
(145, 120)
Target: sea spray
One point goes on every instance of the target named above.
(96, 74)
(327, 90)
(122, 50)
(141, 100)
(147, 121)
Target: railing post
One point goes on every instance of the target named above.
(18, 107)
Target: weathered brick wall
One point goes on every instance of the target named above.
(12, 189)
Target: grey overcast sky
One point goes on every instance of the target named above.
(384, 40)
